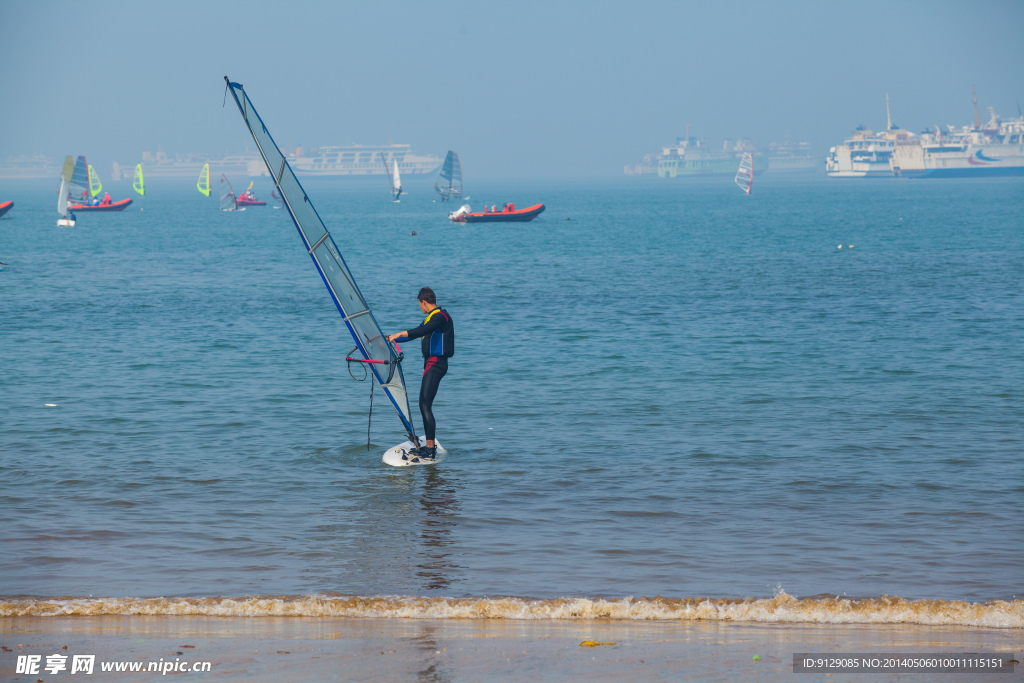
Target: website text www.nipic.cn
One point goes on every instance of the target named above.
(86, 664)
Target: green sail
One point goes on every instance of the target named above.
(138, 185)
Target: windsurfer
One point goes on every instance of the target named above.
(438, 345)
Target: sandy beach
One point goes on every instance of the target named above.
(276, 649)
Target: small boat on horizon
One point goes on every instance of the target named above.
(394, 178)
(449, 180)
(745, 173)
(65, 219)
(228, 198)
(508, 214)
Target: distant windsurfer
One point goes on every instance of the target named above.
(438, 345)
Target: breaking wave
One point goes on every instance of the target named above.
(780, 608)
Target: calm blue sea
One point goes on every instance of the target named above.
(659, 388)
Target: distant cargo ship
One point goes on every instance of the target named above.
(323, 161)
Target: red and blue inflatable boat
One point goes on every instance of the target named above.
(508, 214)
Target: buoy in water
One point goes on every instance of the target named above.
(839, 247)
(413, 232)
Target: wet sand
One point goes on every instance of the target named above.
(301, 649)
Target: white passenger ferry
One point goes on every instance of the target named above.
(361, 160)
(997, 149)
(866, 154)
(325, 161)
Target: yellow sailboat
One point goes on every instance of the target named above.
(203, 185)
(138, 185)
(95, 186)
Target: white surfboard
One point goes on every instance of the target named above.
(393, 456)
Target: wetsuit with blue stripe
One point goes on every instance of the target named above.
(438, 345)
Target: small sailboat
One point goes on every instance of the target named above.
(449, 181)
(78, 182)
(67, 219)
(95, 186)
(393, 177)
(277, 198)
(84, 185)
(203, 184)
(745, 173)
(139, 186)
(227, 195)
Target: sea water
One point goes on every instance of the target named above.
(659, 389)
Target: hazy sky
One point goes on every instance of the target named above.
(556, 87)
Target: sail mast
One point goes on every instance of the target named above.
(228, 199)
(387, 172)
(62, 199)
(381, 358)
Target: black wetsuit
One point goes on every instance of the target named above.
(438, 345)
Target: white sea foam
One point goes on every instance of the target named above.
(780, 608)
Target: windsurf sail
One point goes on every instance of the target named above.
(277, 197)
(393, 178)
(227, 194)
(69, 169)
(95, 186)
(138, 185)
(78, 186)
(380, 357)
(203, 184)
(745, 173)
(62, 198)
(449, 181)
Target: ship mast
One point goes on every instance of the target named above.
(977, 116)
(888, 117)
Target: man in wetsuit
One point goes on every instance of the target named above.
(438, 345)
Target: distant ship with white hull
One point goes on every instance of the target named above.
(866, 154)
(995, 150)
(361, 160)
(188, 166)
(325, 161)
(691, 156)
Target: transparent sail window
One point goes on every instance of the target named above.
(339, 278)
